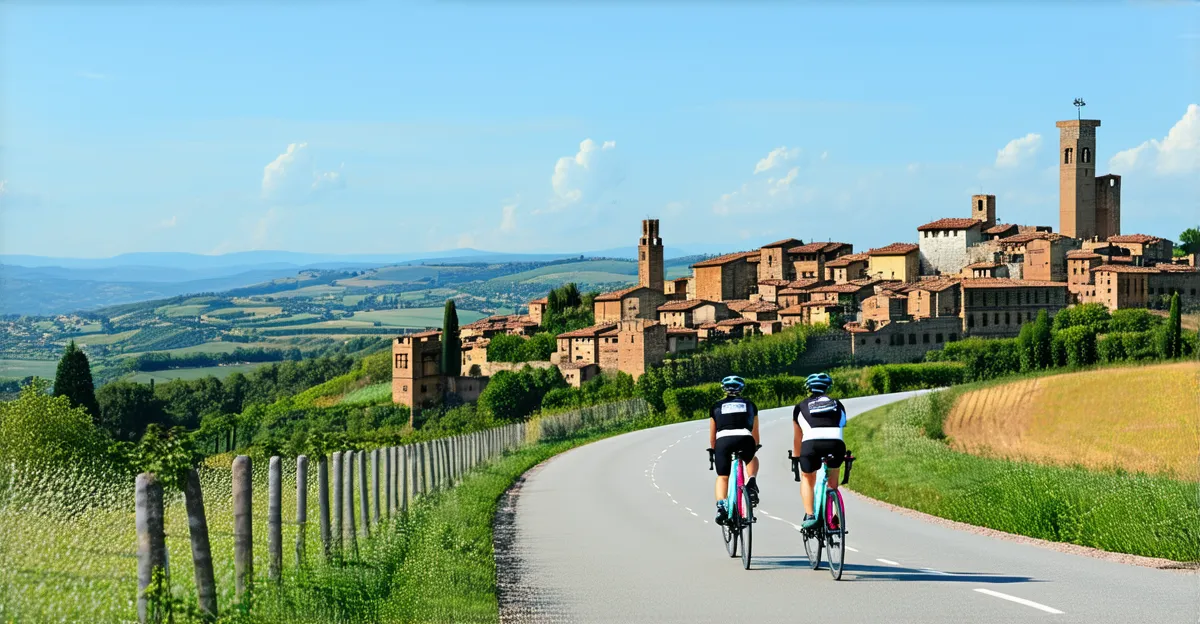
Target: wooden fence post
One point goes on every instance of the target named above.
(375, 489)
(243, 529)
(323, 504)
(151, 539)
(206, 584)
(364, 502)
(350, 544)
(387, 477)
(301, 507)
(275, 519)
(336, 503)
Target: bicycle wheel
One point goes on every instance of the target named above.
(730, 537)
(835, 532)
(747, 532)
(812, 545)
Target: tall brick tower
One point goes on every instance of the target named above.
(983, 209)
(1077, 177)
(650, 256)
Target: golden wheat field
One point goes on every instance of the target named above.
(1142, 419)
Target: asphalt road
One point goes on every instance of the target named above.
(622, 531)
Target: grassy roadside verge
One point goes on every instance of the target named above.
(435, 564)
(906, 462)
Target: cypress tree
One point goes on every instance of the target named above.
(1043, 342)
(73, 379)
(451, 344)
(1171, 345)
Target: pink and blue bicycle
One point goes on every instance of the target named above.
(738, 530)
(829, 533)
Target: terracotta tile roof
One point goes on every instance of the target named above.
(543, 301)
(835, 245)
(476, 344)
(935, 285)
(855, 328)
(792, 310)
(895, 249)
(984, 265)
(1123, 268)
(510, 321)
(735, 322)
(683, 305)
(709, 325)
(774, 282)
(678, 331)
(809, 248)
(617, 295)
(1080, 254)
(1145, 239)
(575, 365)
(760, 306)
(820, 304)
(783, 243)
(1175, 268)
(737, 305)
(949, 224)
(1025, 237)
(589, 332)
(1004, 282)
(849, 287)
(845, 260)
(426, 334)
(806, 283)
(725, 259)
(1000, 228)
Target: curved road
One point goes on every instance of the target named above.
(622, 531)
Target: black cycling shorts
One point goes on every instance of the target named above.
(811, 452)
(743, 444)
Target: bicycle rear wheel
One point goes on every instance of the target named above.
(812, 546)
(835, 532)
(747, 532)
(730, 537)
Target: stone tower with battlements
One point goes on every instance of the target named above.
(983, 209)
(650, 256)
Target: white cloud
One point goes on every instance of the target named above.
(508, 222)
(675, 208)
(1018, 151)
(1177, 153)
(12, 198)
(168, 223)
(587, 174)
(293, 177)
(262, 229)
(775, 158)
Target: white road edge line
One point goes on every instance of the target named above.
(932, 571)
(887, 561)
(1028, 603)
(849, 548)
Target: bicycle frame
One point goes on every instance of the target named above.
(733, 502)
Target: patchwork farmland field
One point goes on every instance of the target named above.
(611, 270)
(19, 369)
(219, 372)
(1095, 419)
(414, 317)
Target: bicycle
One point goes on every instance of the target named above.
(738, 527)
(830, 530)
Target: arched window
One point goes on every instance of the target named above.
(981, 210)
(1068, 156)
(1086, 153)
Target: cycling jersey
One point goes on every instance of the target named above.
(820, 417)
(734, 416)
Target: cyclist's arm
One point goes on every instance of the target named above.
(754, 431)
(712, 433)
(797, 432)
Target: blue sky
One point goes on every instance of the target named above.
(388, 127)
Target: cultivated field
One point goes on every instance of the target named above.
(219, 372)
(593, 270)
(414, 317)
(20, 369)
(1140, 419)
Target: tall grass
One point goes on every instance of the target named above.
(904, 462)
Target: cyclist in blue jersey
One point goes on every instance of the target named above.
(733, 426)
(817, 424)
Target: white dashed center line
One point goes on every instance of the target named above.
(1028, 603)
(887, 561)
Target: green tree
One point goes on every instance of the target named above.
(1042, 342)
(127, 408)
(1092, 315)
(1132, 320)
(1171, 335)
(74, 380)
(1189, 240)
(41, 430)
(451, 343)
(505, 348)
(538, 348)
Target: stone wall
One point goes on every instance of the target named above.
(827, 351)
(945, 251)
(489, 369)
(904, 341)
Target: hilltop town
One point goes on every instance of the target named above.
(964, 276)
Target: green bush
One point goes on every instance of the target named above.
(1132, 320)
(605, 388)
(901, 377)
(44, 432)
(1078, 345)
(984, 358)
(1093, 315)
(515, 395)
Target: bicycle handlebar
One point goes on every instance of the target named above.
(848, 461)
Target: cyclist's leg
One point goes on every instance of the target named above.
(808, 481)
(837, 448)
(724, 467)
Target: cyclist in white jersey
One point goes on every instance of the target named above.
(817, 424)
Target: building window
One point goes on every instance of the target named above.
(997, 318)
(862, 341)
(877, 341)
(1007, 321)
(938, 337)
(1068, 156)
(925, 338)
(422, 388)
(401, 360)
(1086, 154)
(984, 317)
(912, 339)
(970, 321)
(404, 388)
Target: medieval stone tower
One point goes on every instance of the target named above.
(650, 256)
(1077, 177)
(983, 209)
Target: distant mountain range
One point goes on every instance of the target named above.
(47, 285)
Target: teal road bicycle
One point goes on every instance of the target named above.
(829, 533)
(738, 530)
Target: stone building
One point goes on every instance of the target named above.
(998, 307)
(537, 310)
(847, 268)
(1175, 278)
(486, 328)
(576, 373)
(641, 344)
(682, 339)
(1045, 259)
(943, 244)
(474, 357)
(1121, 286)
(884, 308)
(725, 278)
(1081, 193)
(692, 313)
(798, 291)
(636, 302)
(650, 257)
(1146, 250)
(934, 298)
(1000, 230)
(583, 345)
(984, 270)
(983, 210)
(417, 379)
(849, 295)
(677, 289)
(773, 261)
(768, 290)
(901, 341)
(629, 346)
(898, 261)
(760, 311)
(1080, 263)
